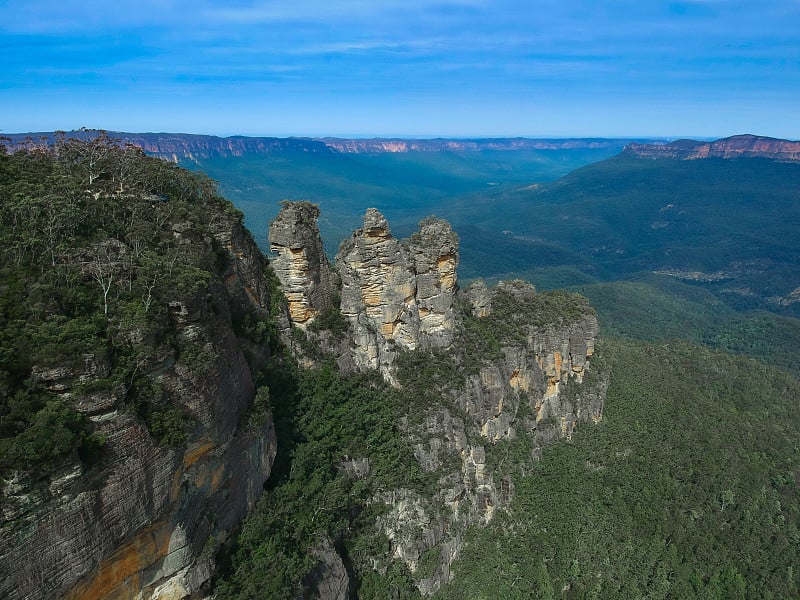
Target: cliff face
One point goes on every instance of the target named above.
(183, 146)
(512, 363)
(301, 264)
(536, 386)
(176, 147)
(748, 146)
(379, 145)
(397, 295)
(146, 520)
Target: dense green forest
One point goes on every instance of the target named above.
(688, 488)
(730, 224)
(90, 264)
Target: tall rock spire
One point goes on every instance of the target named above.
(398, 295)
(301, 265)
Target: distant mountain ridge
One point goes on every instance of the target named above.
(373, 145)
(182, 146)
(750, 146)
(188, 146)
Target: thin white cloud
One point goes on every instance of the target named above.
(318, 10)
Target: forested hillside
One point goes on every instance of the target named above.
(689, 489)
(89, 255)
(150, 376)
(135, 313)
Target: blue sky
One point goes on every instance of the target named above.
(704, 68)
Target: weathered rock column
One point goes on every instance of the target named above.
(378, 294)
(301, 264)
(435, 252)
(398, 295)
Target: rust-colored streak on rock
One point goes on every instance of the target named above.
(446, 265)
(118, 575)
(192, 455)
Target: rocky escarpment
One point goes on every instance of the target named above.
(509, 363)
(183, 146)
(397, 295)
(535, 384)
(745, 146)
(144, 519)
(301, 264)
(380, 145)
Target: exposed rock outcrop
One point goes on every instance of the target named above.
(398, 295)
(146, 520)
(535, 385)
(748, 146)
(401, 296)
(301, 265)
(517, 366)
(444, 145)
(328, 579)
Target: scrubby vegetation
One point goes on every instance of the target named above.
(96, 241)
(324, 420)
(688, 489)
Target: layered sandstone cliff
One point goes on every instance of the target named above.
(144, 520)
(183, 146)
(535, 385)
(516, 364)
(399, 145)
(397, 295)
(301, 265)
(747, 146)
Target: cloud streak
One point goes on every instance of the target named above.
(481, 59)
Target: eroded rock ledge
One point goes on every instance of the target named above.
(519, 362)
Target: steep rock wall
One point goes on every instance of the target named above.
(301, 265)
(397, 295)
(146, 519)
(748, 146)
(536, 386)
(517, 366)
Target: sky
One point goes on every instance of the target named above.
(424, 68)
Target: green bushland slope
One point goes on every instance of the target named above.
(729, 226)
(90, 265)
(688, 489)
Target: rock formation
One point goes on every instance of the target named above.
(301, 264)
(375, 145)
(398, 295)
(176, 147)
(536, 385)
(434, 255)
(748, 146)
(146, 520)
